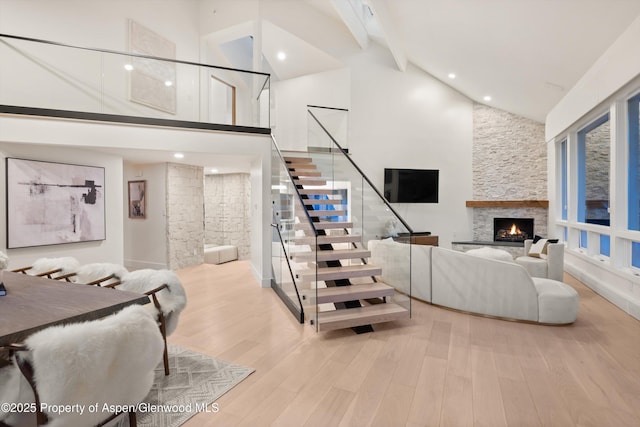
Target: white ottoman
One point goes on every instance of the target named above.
(220, 254)
(492, 253)
(557, 301)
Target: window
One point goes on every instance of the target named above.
(593, 172)
(634, 163)
(635, 254)
(605, 243)
(563, 178)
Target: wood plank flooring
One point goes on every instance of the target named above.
(440, 368)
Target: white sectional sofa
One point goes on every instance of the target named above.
(474, 284)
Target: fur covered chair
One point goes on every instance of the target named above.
(169, 298)
(108, 361)
(47, 267)
(101, 273)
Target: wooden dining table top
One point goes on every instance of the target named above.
(34, 303)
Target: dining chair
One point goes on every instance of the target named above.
(97, 273)
(168, 296)
(109, 362)
(47, 267)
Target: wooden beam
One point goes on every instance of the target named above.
(351, 19)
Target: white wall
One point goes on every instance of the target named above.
(615, 68)
(327, 89)
(610, 79)
(396, 120)
(145, 242)
(411, 120)
(109, 250)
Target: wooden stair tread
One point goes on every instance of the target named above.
(316, 191)
(332, 255)
(323, 225)
(322, 240)
(353, 292)
(308, 202)
(291, 159)
(337, 273)
(310, 181)
(348, 318)
(305, 173)
(336, 212)
(302, 167)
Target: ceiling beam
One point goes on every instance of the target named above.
(352, 21)
(388, 26)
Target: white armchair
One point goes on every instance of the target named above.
(549, 265)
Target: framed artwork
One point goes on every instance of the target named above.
(53, 203)
(137, 199)
(152, 82)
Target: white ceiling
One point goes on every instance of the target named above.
(525, 54)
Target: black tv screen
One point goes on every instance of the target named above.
(411, 185)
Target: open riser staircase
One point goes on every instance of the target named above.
(333, 267)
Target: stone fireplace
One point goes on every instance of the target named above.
(509, 177)
(512, 229)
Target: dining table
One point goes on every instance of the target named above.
(34, 303)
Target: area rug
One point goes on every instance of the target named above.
(195, 383)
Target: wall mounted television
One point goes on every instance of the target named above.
(411, 185)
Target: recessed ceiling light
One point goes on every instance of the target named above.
(282, 56)
(168, 83)
(128, 67)
(487, 98)
(214, 170)
(452, 75)
(178, 156)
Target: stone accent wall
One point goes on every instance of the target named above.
(509, 163)
(185, 215)
(227, 208)
(509, 156)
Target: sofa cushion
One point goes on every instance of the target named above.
(538, 248)
(492, 253)
(536, 267)
(557, 302)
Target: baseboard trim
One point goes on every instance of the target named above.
(132, 264)
(602, 285)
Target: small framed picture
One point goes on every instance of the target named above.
(137, 199)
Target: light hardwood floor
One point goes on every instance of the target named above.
(440, 368)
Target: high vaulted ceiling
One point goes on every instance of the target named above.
(525, 54)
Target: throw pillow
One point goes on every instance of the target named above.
(538, 248)
(536, 238)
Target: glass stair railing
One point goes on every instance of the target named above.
(336, 218)
(46, 78)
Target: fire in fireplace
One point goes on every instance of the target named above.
(512, 229)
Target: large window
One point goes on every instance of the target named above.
(593, 172)
(563, 179)
(634, 163)
(600, 219)
(634, 175)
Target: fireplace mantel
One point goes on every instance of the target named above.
(507, 203)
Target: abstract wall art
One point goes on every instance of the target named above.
(53, 203)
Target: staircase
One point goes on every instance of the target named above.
(332, 267)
